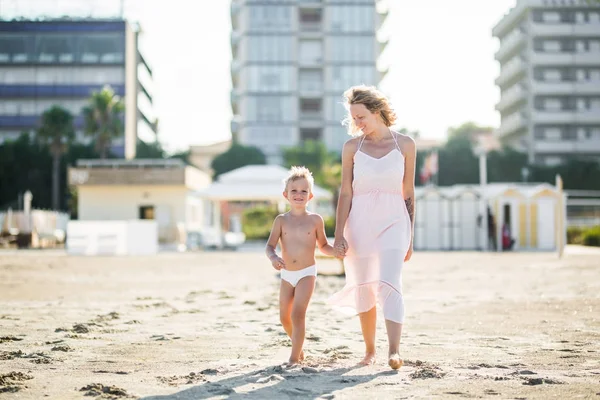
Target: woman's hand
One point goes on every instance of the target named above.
(340, 246)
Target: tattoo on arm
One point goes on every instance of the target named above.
(411, 208)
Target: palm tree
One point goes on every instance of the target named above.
(103, 119)
(56, 130)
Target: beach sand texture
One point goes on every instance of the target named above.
(206, 325)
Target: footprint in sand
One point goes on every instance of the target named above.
(13, 381)
(62, 347)
(5, 339)
(98, 389)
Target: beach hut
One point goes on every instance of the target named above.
(534, 214)
(433, 226)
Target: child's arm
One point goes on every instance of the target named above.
(322, 242)
(276, 261)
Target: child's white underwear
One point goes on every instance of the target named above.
(293, 277)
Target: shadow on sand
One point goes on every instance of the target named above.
(277, 383)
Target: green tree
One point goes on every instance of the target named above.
(468, 130)
(312, 154)
(104, 119)
(57, 132)
(237, 156)
(149, 150)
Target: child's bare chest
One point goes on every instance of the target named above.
(296, 230)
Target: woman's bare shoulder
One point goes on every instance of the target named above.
(406, 142)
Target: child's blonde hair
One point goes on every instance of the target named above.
(297, 173)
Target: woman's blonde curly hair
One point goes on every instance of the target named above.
(373, 100)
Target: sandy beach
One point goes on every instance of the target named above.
(205, 325)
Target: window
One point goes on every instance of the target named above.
(582, 104)
(352, 49)
(268, 109)
(311, 51)
(310, 134)
(16, 48)
(270, 48)
(552, 133)
(310, 79)
(343, 77)
(146, 212)
(552, 104)
(270, 78)
(310, 19)
(352, 18)
(551, 16)
(552, 75)
(102, 48)
(551, 45)
(338, 110)
(270, 18)
(310, 108)
(54, 48)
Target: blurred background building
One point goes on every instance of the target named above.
(550, 79)
(46, 61)
(291, 60)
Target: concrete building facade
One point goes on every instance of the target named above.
(549, 79)
(292, 60)
(61, 62)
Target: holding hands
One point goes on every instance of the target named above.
(340, 246)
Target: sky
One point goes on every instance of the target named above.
(441, 59)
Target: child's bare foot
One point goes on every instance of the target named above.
(395, 361)
(368, 360)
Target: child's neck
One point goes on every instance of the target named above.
(298, 211)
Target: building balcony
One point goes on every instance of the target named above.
(570, 88)
(235, 124)
(512, 124)
(513, 97)
(566, 117)
(510, 20)
(511, 46)
(235, 68)
(560, 59)
(383, 43)
(561, 29)
(234, 97)
(383, 13)
(567, 146)
(235, 38)
(383, 72)
(234, 12)
(511, 73)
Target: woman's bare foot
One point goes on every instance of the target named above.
(395, 361)
(301, 357)
(368, 360)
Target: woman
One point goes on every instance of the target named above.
(375, 217)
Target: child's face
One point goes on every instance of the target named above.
(298, 192)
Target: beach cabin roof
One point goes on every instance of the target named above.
(254, 183)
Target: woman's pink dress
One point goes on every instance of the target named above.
(378, 231)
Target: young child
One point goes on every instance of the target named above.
(299, 232)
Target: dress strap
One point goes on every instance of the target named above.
(360, 143)
(395, 140)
